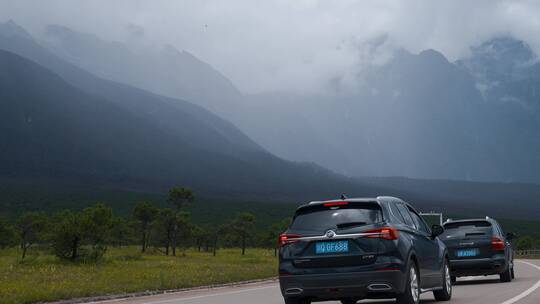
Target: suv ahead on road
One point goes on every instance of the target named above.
(478, 247)
(353, 249)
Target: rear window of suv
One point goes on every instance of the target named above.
(472, 229)
(320, 218)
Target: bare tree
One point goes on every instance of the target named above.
(30, 227)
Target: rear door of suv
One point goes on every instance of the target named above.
(329, 235)
(469, 239)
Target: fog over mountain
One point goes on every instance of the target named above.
(286, 45)
(164, 69)
(360, 88)
(65, 127)
(60, 122)
(420, 115)
(416, 115)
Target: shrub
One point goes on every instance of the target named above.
(91, 227)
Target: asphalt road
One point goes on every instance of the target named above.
(525, 289)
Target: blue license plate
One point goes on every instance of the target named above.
(331, 247)
(465, 253)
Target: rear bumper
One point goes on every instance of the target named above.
(477, 267)
(343, 285)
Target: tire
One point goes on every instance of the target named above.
(506, 276)
(297, 301)
(445, 294)
(512, 273)
(411, 295)
(348, 301)
(454, 279)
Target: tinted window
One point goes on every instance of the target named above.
(403, 210)
(472, 229)
(499, 229)
(396, 214)
(420, 225)
(320, 218)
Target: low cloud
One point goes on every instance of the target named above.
(288, 45)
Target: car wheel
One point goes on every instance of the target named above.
(297, 301)
(348, 301)
(454, 279)
(512, 273)
(445, 293)
(506, 276)
(411, 295)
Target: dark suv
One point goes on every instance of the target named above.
(353, 249)
(478, 247)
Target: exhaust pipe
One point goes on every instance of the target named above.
(293, 291)
(379, 287)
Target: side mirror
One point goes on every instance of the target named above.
(510, 236)
(436, 230)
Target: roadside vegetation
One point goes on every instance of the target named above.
(70, 253)
(177, 242)
(44, 277)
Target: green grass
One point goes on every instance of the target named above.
(43, 277)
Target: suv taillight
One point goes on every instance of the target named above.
(285, 239)
(386, 233)
(497, 244)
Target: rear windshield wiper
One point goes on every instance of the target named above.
(350, 224)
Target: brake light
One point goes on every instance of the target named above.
(386, 233)
(497, 244)
(285, 239)
(335, 204)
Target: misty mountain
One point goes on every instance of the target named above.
(506, 71)
(163, 70)
(507, 74)
(275, 120)
(75, 126)
(137, 101)
(417, 115)
(376, 129)
(498, 61)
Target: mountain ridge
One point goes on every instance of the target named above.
(203, 151)
(446, 122)
(254, 169)
(177, 74)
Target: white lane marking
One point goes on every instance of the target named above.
(526, 292)
(109, 301)
(125, 299)
(208, 295)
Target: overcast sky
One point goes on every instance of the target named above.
(286, 44)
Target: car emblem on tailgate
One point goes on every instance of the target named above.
(330, 234)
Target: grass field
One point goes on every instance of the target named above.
(43, 277)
